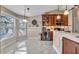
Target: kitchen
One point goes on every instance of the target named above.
(64, 28)
(53, 26)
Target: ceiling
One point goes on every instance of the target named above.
(35, 9)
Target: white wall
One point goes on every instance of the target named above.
(75, 20)
(70, 20)
(37, 18)
(33, 31)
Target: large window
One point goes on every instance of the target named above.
(6, 26)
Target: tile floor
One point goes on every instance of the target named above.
(22, 49)
(34, 46)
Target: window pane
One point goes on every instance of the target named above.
(6, 26)
(22, 27)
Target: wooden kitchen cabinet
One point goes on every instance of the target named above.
(65, 20)
(48, 20)
(51, 35)
(59, 22)
(51, 20)
(77, 50)
(69, 46)
(45, 20)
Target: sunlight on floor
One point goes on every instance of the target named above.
(21, 48)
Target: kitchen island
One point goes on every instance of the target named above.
(58, 39)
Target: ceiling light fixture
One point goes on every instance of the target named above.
(25, 20)
(28, 12)
(66, 12)
(58, 16)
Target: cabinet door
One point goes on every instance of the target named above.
(65, 47)
(77, 49)
(69, 47)
(50, 20)
(72, 47)
(53, 20)
(65, 19)
(51, 35)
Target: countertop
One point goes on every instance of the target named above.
(71, 36)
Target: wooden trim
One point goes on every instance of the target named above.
(50, 14)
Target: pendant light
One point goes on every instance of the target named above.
(66, 12)
(25, 20)
(28, 12)
(58, 16)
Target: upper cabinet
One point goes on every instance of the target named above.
(65, 19)
(51, 20)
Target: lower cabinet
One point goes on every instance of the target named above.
(69, 46)
(51, 36)
(77, 50)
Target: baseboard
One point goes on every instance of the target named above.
(56, 50)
